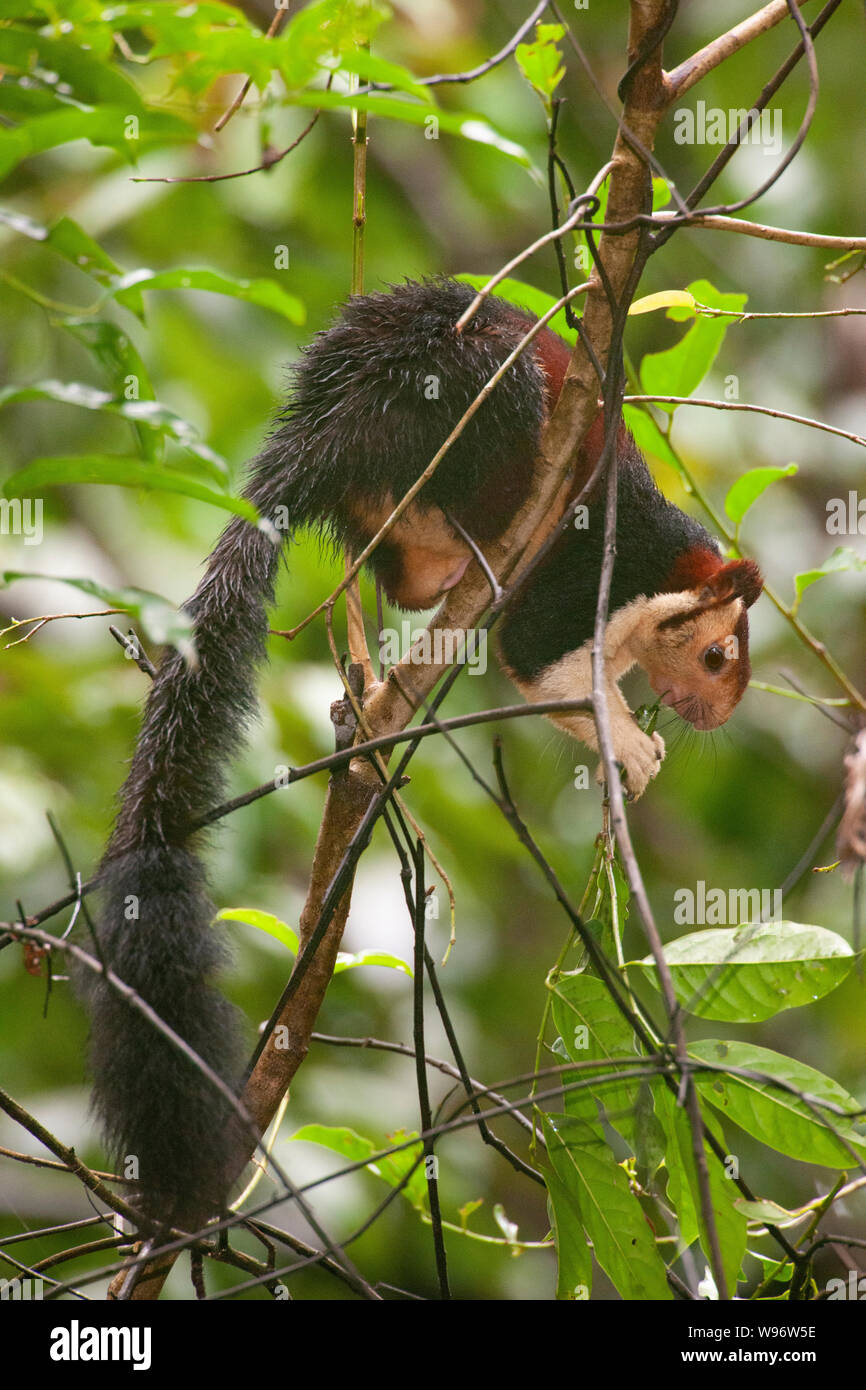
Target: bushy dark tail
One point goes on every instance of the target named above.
(165, 1121)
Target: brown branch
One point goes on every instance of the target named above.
(766, 233)
(68, 1158)
(693, 69)
(271, 158)
(756, 409)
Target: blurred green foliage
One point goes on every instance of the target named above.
(736, 808)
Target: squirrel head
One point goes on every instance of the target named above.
(696, 655)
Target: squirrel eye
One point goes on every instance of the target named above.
(714, 658)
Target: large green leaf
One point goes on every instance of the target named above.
(107, 125)
(142, 413)
(357, 1148)
(325, 30)
(393, 108)
(266, 293)
(178, 27)
(84, 22)
(62, 63)
(119, 358)
(612, 1217)
(752, 485)
(540, 60)
(573, 1253)
(75, 246)
(374, 69)
(118, 471)
(748, 973)
(774, 1114)
(281, 931)
(262, 921)
(842, 559)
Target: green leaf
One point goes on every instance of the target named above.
(347, 961)
(178, 28)
(356, 1148)
(528, 298)
(843, 558)
(770, 1213)
(325, 35)
(118, 471)
(280, 931)
(116, 353)
(775, 1116)
(148, 413)
(777, 1270)
(75, 246)
(573, 1255)
(661, 193)
(74, 21)
(684, 1189)
(266, 293)
(262, 921)
(593, 1029)
(393, 108)
(749, 973)
(648, 436)
(679, 370)
(747, 489)
(323, 31)
(104, 126)
(64, 65)
(160, 620)
(374, 69)
(541, 61)
(610, 1213)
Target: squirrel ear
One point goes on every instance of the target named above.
(739, 579)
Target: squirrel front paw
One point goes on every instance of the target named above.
(640, 756)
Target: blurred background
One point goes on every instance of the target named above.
(735, 809)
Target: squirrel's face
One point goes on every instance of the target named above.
(420, 559)
(697, 657)
(702, 668)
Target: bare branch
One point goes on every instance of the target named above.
(764, 232)
(693, 69)
(755, 409)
